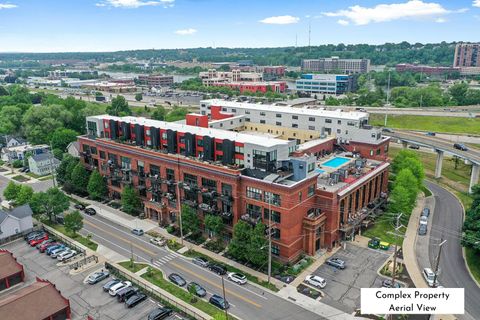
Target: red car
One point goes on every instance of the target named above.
(36, 241)
(44, 247)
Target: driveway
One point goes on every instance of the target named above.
(84, 299)
(343, 286)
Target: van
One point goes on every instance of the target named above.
(429, 276)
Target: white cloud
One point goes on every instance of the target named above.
(186, 32)
(7, 6)
(131, 4)
(412, 9)
(476, 3)
(280, 20)
(440, 20)
(343, 22)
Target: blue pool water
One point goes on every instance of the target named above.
(318, 170)
(335, 162)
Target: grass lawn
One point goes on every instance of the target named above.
(33, 175)
(49, 177)
(156, 277)
(136, 266)
(193, 253)
(428, 123)
(77, 237)
(20, 178)
(426, 191)
(383, 225)
(473, 260)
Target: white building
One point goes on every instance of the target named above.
(18, 152)
(73, 149)
(15, 221)
(43, 164)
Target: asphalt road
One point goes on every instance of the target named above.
(447, 223)
(247, 302)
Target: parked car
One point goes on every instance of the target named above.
(110, 284)
(387, 130)
(414, 146)
(98, 276)
(426, 212)
(66, 255)
(237, 277)
(159, 314)
(158, 241)
(422, 229)
(53, 248)
(219, 302)
(29, 236)
(374, 243)
(136, 299)
(44, 242)
(316, 281)
(218, 269)
(432, 134)
(38, 240)
(117, 287)
(79, 206)
(200, 261)
(138, 232)
(90, 211)
(460, 146)
(44, 247)
(423, 220)
(177, 279)
(126, 293)
(384, 245)
(55, 253)
(199, 290)
(387, 283)
(429, 276)
(337, 263)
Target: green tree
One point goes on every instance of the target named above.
(17, 163)
(24, 195)
(400, 201)
(64, 170)
(159, 113)
(214, 224)
(138, 97)
(73, 222)
(97, 188)
(238, 246)
(459, 93)
(471, 226)
(49, 203)
(131, 202)
(399, 162)
(190, 220)
(257, 247)
(40, 122)
(62, 137)
(406, 179)
(79, 179)
(11, 120)
(11, 191)
(119, 107)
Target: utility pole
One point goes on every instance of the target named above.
(394, 272)
(52, 171)
(179, 204)
(437, 264)
(270, 236)
(224, 299)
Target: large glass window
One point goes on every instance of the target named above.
(209, 184)
(254, 193)
(171, 174)
(190, 179)
(311, 190)
(254, 211)
(273, 198)
(275, 215)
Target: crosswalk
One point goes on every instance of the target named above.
(165, 259)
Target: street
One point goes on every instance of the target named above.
(447, 224)
(248, 301)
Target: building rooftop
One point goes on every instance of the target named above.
(8, 264)
(44, 156)
(27, 147)
(217, 133)
(338, 114)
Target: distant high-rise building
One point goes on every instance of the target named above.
(336, 65)
(467, 55)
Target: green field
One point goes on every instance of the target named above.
(428, 123)
(473, 260)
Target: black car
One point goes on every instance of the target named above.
(135, 299)
(177, 279)
(90, 211)
(31, 234)
(125, 293)
(198, 289)
(460, 146)
(414, 146)
(110, 284)
(425, 212)
(79, 206)
(219, 302)
(422, 230)
(218, 269)
(159, 314)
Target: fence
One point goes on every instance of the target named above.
(154, 293)
(83, 262)
(71, 244)
(18, 235)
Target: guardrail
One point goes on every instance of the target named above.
(154, 293)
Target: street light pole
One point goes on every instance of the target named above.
(394, 272)
(224, 299)
(437, 264)
(270, 236)
(179, 204)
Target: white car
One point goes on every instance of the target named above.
(158, 241)
(316, 281)
(67, 254)
(423, 220)
(429, 276)
(56, 252)
(237, 278)
(119, 286)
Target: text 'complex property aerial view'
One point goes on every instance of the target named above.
(239, 160)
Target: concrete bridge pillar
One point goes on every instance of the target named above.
(474, 176)
(439, 163)
(404, 144)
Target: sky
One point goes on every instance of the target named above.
(110, 25)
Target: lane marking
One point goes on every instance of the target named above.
(215, 284)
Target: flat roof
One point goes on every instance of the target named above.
(338, 114)
(215, 133)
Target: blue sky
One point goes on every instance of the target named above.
(107, 25)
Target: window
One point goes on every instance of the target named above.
(254, 211)
(300, 196)
(247, 119)
(171, 174)
(278, 115)
(311, 190)
(247, 112)
(295, 117)
(200, 142)
(102, 155)
(379, 151)
(374, 135)
(311, 119)
(164, 135)
(224, 109)
(154, 170)
(234, 110)
(190, 179)
(239, 150)
(262, 121)
(339, 121)
(147, 132)
(278, 124)
(311, 166)
(275, 233)
(275, 215)
(294, 125)
(339, 131)
(328, 120)
(226, 189)
(371, 152)
(125, 163)
(273, 198)
(254, 193)
(311, 127)
(262, 113)
(275, 249)
(209, 184)
(350, 123)
(219, 146)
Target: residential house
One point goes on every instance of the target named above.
(73, 149)
(43, 164)
(15, 221)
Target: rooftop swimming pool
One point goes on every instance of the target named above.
(336, 162)
(318, 170)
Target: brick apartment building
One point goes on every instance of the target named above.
(156, 81)
(213, 165)
(406, 67)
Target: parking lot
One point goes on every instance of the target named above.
(343, 286)
(85, 300)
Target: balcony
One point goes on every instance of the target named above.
(208, 208)
(226, 198)
(251, 219)
(190, 203)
